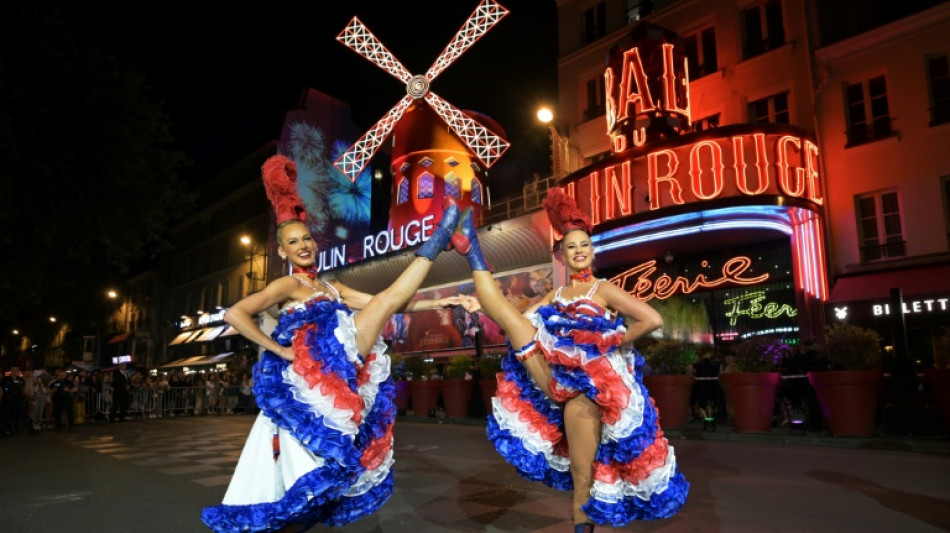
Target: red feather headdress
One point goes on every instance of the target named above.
(280, 184)
(564, 214)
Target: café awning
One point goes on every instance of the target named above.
(119, 338)
(209, 334)
(187, 361)
(181, 337)
(928, 279)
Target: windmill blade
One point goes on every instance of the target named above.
(354, 160)
(357, 37)
(486, 15)
(486, 146)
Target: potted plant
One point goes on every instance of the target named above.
(671, 384)
(937, 379)
(397, 367)
(423, 390)
(457, 386)
(750, 381)
(489, 365)
(848, 392)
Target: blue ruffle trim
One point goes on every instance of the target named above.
(533, 466)
(309, 491)
(661, 505)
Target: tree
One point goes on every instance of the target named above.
(88, 170)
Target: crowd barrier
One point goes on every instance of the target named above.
(92, 405)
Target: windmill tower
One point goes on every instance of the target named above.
(428, 162)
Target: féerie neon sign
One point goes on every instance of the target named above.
(752, 306)
(637, 280)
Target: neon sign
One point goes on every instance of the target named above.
(739, 161)
(913, 306)
(645, 289)
(751, 305)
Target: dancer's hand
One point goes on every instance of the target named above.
(286, 352)
(445, 303)
(470, 304)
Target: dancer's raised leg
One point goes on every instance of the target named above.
(519, 330)
(370, 321)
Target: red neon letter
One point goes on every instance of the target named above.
(670, 82)
(784, 176)
(595, 197)
(618, 191)
(634, 91)
(654, 178)
(811, 173)
(761, 164)
(610, 102)
(696, 171)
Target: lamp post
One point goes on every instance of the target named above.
(246, 241)
(565, 157)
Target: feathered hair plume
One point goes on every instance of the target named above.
(280, 184)
(564, 214)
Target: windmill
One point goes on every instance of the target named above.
(485, 145)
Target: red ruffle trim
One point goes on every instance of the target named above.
(652, 457)
(376, 452)
(508, 393)
(613, 396)
(329, 384)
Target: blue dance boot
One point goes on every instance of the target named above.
(443, 233)
(465, 241)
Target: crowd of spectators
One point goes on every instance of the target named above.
(59, 399)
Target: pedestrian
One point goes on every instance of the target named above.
(13, 406)
(40, 399)
(321, 448)
(61, 390)
(121, 392)
(572, 410)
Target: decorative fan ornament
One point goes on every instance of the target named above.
(485, 145)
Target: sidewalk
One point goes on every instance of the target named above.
(778, 435)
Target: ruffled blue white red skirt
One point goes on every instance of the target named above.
(321, 449)
(635, 470)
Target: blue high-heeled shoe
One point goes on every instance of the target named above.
(465, 241)
(584, 528)
(441, 238)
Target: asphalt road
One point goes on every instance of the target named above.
(157, 475)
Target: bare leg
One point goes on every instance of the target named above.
(582, 425)
(370, 321)
(519, 330)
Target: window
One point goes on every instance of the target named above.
(637, 9)
(763, 29)
(701, 53)
(426, 185)
(402, 191)
(708, 123)
(595, 22)
(476, 192)
(595, 98)
(868, 115)
(879, 226)
(938, 79)
(452, 187)
(772, 109)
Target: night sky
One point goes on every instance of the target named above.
(226, 77)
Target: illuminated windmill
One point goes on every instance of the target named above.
(484, 144)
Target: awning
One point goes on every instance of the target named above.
(877, 285)
(193, 335)
(228, 332)
(187, 361)
(119, 338)
(181, 338)
(213, 359)
(209, 334)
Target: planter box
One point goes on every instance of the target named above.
(401, 401)
(848, 400)
(425, 396)
(751, 397)
(938, 392)
(455, 395)
(671, 394)
(488, 387)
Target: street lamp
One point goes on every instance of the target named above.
(246, 241)
(112, 294)
(565, 157)
(52, 319)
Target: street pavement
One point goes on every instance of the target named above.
(157, 475)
